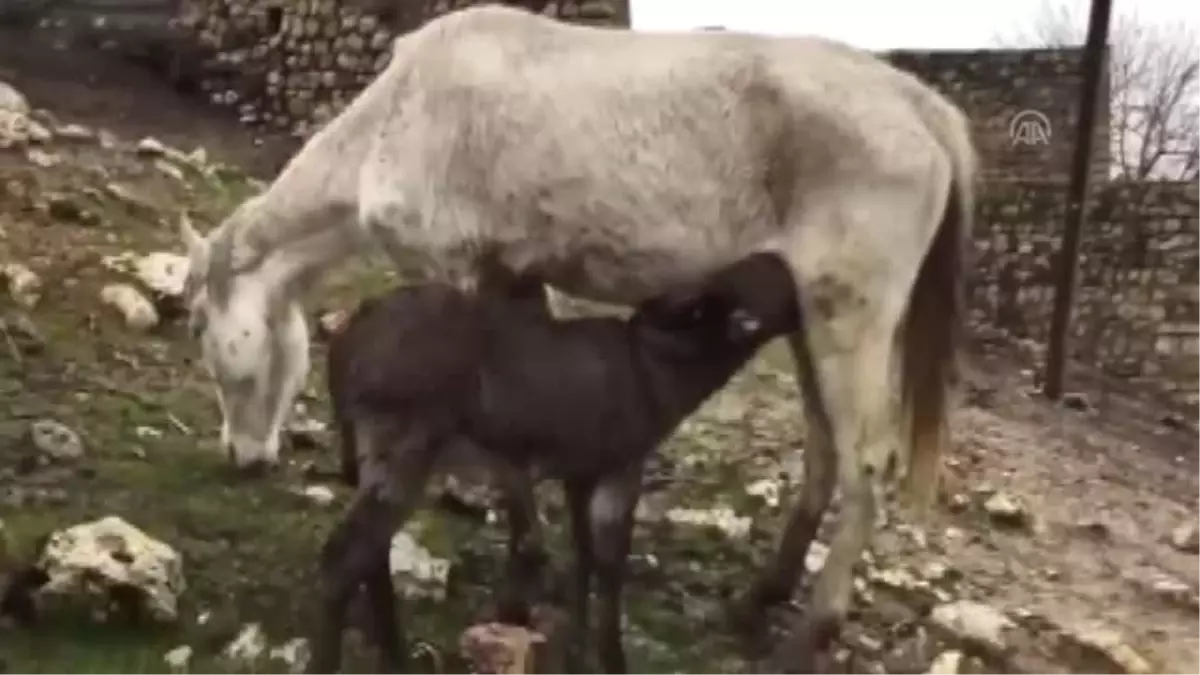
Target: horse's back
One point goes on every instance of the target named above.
(694, 112)
(658, 154)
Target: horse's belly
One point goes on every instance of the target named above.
(613, 275)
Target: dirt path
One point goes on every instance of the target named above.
(1103, 487)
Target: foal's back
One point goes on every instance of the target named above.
(431, 344)
(523, 384)
(414, 345)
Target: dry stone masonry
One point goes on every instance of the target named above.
(292, 65)
(1136, 303)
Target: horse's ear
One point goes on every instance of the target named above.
(195, 243)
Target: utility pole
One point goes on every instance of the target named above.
(1095, 60)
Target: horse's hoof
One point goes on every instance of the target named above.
(255, 469)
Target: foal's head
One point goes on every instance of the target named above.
(728, 314)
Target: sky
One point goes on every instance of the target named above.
(888, 24)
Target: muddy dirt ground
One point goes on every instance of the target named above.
(1101, 488)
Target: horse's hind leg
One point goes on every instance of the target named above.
(855, 387)
(357, 550)
(855, 253)
(784, 572)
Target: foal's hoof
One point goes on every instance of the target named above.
(806, 649)
(750, 616)
(515, 613)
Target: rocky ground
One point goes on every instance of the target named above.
(1064, 541)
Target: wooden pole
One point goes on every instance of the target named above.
(1094, 62)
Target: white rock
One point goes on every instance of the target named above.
(24, 285)
(1109, 645)
(331, 322)
(91, 559)
(974, 622)
(418, 572)
(162, 272)
(139, 312)
(151, 146)
(178, 659)
(722, 518)
(41, 158)
(18, 128)
(947, 663)
(198, 157)
(1005, 510)
(294, 654)
(55, 440)
(767, 489)
(319, 495)
(12, 100)
(170, 170)
(307, 426)
(248, 646)
(814, 561)
(1186, 537)
(144, 432)
(75, 132)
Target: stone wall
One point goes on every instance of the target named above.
(1138, 294)
(291, 65)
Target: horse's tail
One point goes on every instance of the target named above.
(933, 326)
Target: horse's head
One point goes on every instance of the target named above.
(253, 341)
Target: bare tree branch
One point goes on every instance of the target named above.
(1154, 86)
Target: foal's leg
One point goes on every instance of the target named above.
(526, 295)
(611, 509)
(579, 498)
(784, 572)
(357, 550)
(526, 551)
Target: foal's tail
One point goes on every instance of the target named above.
(932, 331)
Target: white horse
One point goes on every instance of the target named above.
(498, 146)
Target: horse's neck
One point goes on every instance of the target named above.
(298, 264)
(307, 220)
(317, 191)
